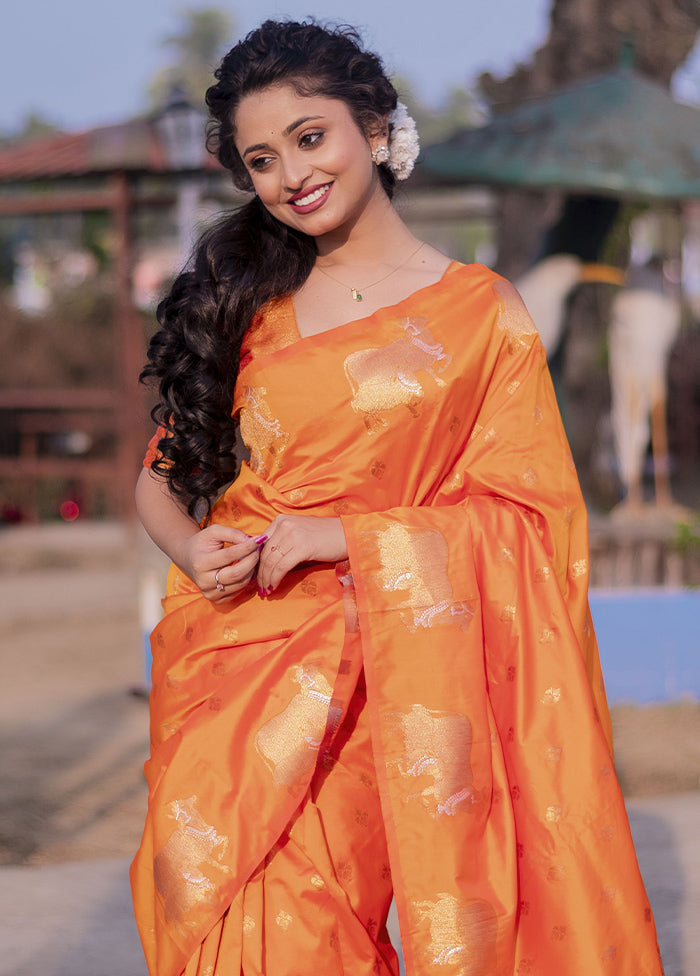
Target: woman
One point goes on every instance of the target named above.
(376, 673)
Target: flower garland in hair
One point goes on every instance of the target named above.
(403, 142)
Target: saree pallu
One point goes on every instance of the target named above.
(427, 717)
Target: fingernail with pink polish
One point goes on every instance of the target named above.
(260, 539)
(261, 592)
(269, 590)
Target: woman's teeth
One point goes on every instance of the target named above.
(311, 197)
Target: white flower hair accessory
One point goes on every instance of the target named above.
(403, 142)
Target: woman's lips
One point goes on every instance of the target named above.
(316, 197)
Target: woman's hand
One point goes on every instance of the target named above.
(294, 539)
(221, 560)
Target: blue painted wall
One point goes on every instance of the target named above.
(649, 643)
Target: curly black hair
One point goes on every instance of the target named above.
(247, 258)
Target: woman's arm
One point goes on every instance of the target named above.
(200, 553)
(162, 515)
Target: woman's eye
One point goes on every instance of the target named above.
(310, 139)
(260, 163)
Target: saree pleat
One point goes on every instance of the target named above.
(318, 887)
(429, 716)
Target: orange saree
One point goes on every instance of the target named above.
(426, 718)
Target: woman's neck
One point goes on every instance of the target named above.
(377, 233)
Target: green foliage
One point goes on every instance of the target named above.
(687, 538)
(33, 126)
(459, 109)
(203, 36)
(36, 124)
(616, 248)
(95, 237)
(7, 265)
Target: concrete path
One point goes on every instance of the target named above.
(70, 919)
(75, 919)
(666, 832)
(34, 559)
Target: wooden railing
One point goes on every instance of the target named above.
(643, 552)
(35, 413)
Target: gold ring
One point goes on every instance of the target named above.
(220, 586)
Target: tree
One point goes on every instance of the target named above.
(33, 126)
(586, 37)
(458, 110)
(198, 45)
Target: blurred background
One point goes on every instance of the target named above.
(560, 145)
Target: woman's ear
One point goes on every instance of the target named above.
(378, 132)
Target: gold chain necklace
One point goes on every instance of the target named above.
(355, 292)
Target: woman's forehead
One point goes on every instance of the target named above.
(275, 108)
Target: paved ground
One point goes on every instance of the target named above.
(71, 919)
(74, 740)
(75, 919)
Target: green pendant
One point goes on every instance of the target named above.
(356, 295)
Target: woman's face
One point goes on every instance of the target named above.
(310, 163)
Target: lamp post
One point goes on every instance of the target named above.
(181, 130)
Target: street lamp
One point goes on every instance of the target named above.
(181, 129)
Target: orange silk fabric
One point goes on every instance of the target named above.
(429, 715)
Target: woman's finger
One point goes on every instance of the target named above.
(227, 590)
(236, 573)
(279, 570)
(276, 559)
(211, 561)
(215, 537)
(232, 592)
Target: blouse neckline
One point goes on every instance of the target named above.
(290, 311)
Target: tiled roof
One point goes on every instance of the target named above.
(127, 146)
(618, 133)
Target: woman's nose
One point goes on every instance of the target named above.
(295, 172)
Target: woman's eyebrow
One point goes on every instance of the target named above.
(286, 132)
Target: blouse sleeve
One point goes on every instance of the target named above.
(152, 451)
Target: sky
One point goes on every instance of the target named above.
(86, 62)
(82, 63)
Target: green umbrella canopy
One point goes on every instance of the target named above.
(618, 133)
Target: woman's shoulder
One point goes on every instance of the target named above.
(473, 278)
(475, 282)
(490, 304)
(473, 271)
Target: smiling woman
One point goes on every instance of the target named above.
(376, 673)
